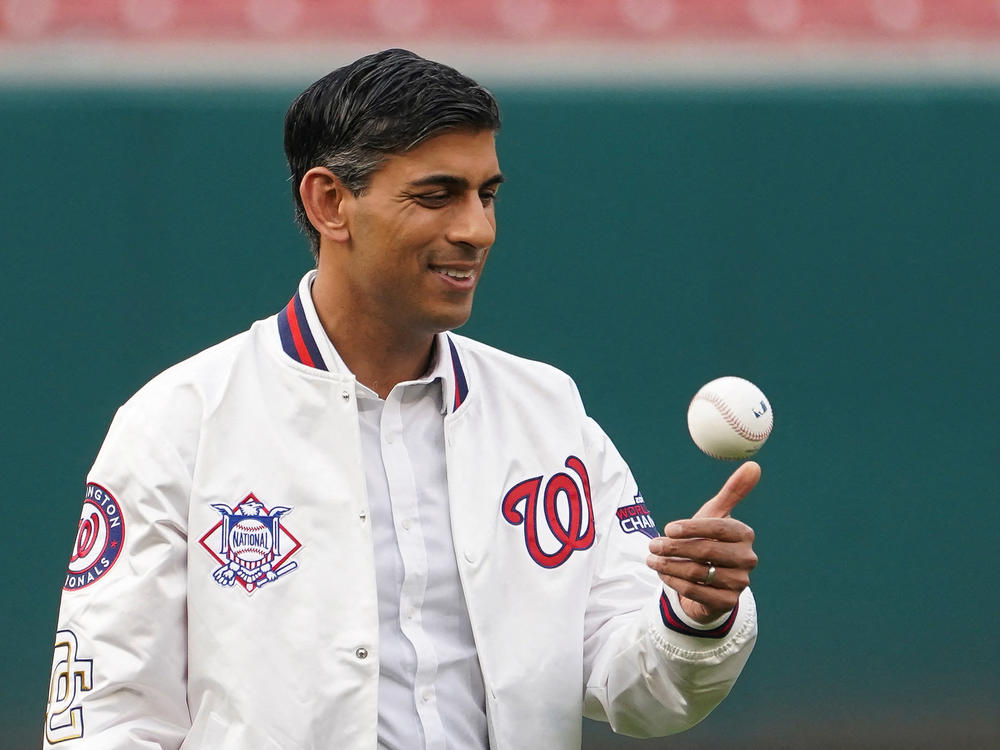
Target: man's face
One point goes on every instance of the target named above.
(420, 234)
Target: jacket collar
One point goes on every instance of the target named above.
(304, 341)
(296, 331)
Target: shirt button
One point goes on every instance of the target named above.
(345, 395)
(428, 694)
(363, 516)
(361, 653)
(407, 523)
(411, 613)
(469, 557)
(388, 438)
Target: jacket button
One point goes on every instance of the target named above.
(361, 653)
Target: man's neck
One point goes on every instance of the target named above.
(382, 367)
(378, 356)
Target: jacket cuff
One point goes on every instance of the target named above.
(675, 619)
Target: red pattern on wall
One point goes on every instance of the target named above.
(501, 20)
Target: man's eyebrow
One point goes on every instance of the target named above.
(452, 181)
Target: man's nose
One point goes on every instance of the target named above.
(473, 223)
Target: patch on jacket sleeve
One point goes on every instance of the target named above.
(250, 544)
(71, 677)
(559, 519)
(636, 517)
(99, 538)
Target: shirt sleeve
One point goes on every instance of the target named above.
(649, 670)
(119, 664)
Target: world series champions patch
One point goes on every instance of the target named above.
(251, 544)
(99, 539)
(636, 517)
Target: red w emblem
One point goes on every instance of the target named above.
(572, 530)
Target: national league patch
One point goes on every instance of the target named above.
(251, 544)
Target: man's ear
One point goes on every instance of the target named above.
(324, 198)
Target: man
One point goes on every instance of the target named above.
(350, 528)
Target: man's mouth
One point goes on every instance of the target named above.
(455, 273)
(459, 274)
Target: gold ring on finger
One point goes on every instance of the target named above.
(710, 576)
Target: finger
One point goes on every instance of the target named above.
(736, 488)
(738, 555)
(722, 529)
(730, 579)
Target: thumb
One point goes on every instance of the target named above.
(736, 488)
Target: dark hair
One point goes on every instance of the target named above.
(382, 104)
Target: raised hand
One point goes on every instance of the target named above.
(707, 558)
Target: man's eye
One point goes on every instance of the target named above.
(488, 197)
(434, 199)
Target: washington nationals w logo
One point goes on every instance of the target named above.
(566, 510)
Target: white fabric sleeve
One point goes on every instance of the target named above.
(119, 666)
(648, 672)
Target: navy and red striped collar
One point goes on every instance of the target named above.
(461, 389)
(295, 329)
(296, 336)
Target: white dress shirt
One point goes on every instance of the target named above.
(431, 692)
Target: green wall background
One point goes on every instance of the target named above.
(836, 245)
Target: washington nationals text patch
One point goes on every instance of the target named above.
(99, 538)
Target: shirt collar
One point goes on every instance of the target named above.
(305, 341)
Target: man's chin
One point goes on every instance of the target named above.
(449, 320)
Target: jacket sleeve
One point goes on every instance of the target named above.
(649, 670)
(119, 665)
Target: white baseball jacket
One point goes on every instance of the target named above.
(221, 591)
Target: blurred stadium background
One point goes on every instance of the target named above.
(797, 191)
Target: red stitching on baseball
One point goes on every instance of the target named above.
(727, 414)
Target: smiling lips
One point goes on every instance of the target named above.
(456, 274)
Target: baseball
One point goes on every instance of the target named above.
(250, 540)
(730, 418)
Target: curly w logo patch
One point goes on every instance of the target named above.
(558, 519)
